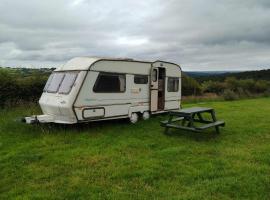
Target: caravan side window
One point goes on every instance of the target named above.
(110, 83)
(173, 84)
(140, 79)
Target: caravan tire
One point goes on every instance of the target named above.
(133, 118)
(146, 115)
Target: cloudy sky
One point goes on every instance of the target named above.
(197, 34)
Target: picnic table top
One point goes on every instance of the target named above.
(191, 110)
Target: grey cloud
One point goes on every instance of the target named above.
(201, 35)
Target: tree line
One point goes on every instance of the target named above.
(25, 85)
(255, 75)
(21, 85)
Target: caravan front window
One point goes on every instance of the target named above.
(55, 82)
(48, 83)
(61, 82)
(68, 82)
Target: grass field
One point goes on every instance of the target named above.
(117, 160)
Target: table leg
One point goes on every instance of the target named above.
(189, 123)
(213, 114)
(200, 117)
(184, 121)
(169, 121)
(190, 120)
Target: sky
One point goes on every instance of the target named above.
(199, 35)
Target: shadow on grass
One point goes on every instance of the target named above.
(125, 126)
(207, 135)
(82, 127)
(123, 123)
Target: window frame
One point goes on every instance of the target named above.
(154, 72)
(113, 74)
(56, 91)
(141, 76)
(175, 79)
(76, 75)
(47, 84)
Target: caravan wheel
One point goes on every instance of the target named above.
(134, 118)
(146, 115)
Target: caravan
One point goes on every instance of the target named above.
(90, 89)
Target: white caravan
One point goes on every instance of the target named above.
(90, 89)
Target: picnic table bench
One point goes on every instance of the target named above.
(189, 116)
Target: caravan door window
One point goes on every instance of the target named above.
(55, 82)
(68, 82)
(173, 84)
(154, 75)
(110, 83)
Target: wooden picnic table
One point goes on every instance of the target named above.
(189, 116)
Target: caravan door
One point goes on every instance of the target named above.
(154, 89)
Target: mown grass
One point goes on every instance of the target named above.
(116, 160)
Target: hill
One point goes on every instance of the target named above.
(221, 76)
(207, 73)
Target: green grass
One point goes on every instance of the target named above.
(117, 160)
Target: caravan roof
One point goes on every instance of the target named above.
(78, 63)
(84, 63)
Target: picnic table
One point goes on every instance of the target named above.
(189, 116)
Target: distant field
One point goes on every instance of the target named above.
(117, 160)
